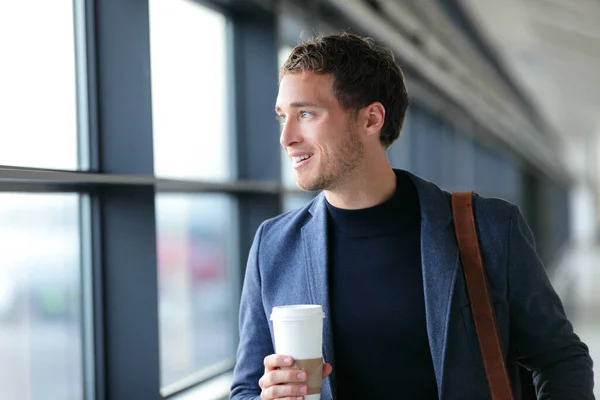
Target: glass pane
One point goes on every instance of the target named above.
(288, 176)
(189, 91)
(198, 312)
(38, 85)
(297, 200)
(40, 299)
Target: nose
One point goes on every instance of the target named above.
(290, 135)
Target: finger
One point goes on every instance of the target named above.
(279, 376)
(277, 360)
(291, 398)
(283, 391)
(327, 368)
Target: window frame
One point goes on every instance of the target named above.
(117, 185)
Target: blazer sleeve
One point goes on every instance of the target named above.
(543, 336)
(255, 337)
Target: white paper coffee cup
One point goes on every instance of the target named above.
(298, 331)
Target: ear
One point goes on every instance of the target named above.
(374, 115)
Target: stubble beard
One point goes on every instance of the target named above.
(338, 167)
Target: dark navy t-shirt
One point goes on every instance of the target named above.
(377, 305)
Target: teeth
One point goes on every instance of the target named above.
(300, 158)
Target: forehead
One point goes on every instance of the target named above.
(306, 87)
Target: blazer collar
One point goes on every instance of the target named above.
(314, 238)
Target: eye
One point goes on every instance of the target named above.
(280, 118)
(305, 114)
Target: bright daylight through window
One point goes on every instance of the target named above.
(196, 298)
(40, 297)
(38, 97)
(197, 306)
(189, 91)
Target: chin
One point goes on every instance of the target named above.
(311, 184)
(306, 183)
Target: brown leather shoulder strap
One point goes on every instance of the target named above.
(479, 296)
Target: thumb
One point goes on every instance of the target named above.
(327, 368)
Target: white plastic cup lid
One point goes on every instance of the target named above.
(297, 312)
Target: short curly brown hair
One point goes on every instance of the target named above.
(363, 71)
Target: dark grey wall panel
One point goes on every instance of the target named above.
(400, 153)
(464, 162)
(426, 145)
(448, 162)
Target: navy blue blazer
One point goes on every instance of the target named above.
(288, 265)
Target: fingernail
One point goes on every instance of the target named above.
(302, 376)
(298, 398)
(287, 361)
(302, 389)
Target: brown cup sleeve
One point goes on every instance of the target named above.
(314, 371)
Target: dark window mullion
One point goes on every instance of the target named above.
(255, 46)
(124, 215)
(93, 139)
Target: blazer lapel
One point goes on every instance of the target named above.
(314, 237)
(440, 263)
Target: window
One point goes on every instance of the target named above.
(197, 306)
(38, 123)
(189, 91)
(296, 200)
(288, 176)
(41, 327)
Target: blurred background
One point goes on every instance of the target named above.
(139, 153)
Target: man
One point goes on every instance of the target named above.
(377, 250)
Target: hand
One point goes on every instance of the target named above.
(285, 384)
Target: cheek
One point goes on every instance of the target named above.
(324, 134)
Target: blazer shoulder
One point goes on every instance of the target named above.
(493, 219)
(493, 209)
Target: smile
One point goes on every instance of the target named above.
(300, 161)
(296, 160)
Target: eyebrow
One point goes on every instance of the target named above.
(300, 104)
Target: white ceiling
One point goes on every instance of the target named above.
(552, 49)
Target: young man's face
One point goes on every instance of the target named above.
(319, 136)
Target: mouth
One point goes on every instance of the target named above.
(300, 161)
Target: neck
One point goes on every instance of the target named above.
(368, 187)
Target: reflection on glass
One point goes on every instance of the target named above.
(297, 200)
(38, 123)
(40, 299)
(197, 310)
(189, 91)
